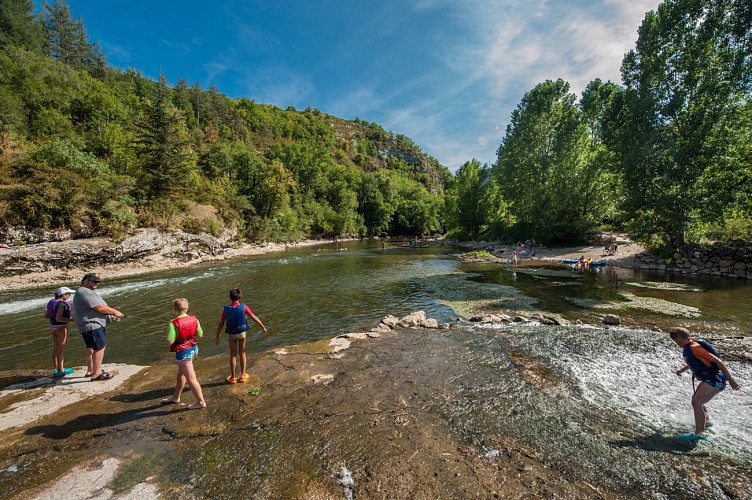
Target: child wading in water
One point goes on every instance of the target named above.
(182, 339)
(702, 360)
(235, 316)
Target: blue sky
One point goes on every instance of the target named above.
(446, 73)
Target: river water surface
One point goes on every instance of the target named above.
(307, 294)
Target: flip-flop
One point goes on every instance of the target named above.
(244, 378)
(231, 380)
(88, 374)
(168, 401)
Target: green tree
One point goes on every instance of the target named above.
(18, 26)
(545, 168)
(67, 41)
(688, 81)
(470, 200)
(164, 146)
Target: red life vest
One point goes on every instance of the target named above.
(186, 338)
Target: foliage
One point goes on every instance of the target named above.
(110, 150)
(688, 88)
(548, 168)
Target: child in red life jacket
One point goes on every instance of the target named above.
(182, 339)
(702, 359)
(235, 315)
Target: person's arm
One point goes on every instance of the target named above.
(59, 314)
(172, 333)
(199, 330)
(219, 328)
(258, 322)
(105, 309)
(681, 370)
(725, 371)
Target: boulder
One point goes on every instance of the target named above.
(611, 319)
(412, 320)
(390, 321)
(430, 323)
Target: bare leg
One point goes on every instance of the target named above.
(241, 349)
(187, 372)
(89, 360)
(233, 355)
(96, 359)
(179, 386)
(60, 337)
(702, 395)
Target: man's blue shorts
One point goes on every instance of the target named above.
(187, 354)
(95, 339)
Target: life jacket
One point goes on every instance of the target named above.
(52, 311)
(235, 320)
(186, 337)
(699, 369)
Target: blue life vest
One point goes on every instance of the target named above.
(698, 368)
(235, 320)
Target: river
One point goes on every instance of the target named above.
(597, 401)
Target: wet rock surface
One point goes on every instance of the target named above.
(398, 416)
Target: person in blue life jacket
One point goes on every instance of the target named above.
(703, 361)
(181, 335)
(235, 317)
(58, 311)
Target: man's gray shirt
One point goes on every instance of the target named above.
(84, 302)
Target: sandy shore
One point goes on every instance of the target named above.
(624, 257)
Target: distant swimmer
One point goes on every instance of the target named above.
(702, 359)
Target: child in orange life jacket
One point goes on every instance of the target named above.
(234, 315)
(701, 358)
(182, 339)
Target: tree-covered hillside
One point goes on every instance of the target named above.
(99, 150)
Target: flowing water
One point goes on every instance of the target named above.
(573, 388)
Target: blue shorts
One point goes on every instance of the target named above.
(717, 381)
(187, 354)
(95, 339)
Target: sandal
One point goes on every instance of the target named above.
(244, 378)
(231, 380)
(102, 376)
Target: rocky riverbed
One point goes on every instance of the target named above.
(405, 412)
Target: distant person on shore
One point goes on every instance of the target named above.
(235, 315)
(181, 335)
(92, 314)
(59, 313)
(702, 359)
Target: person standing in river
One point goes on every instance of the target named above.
(59, 313)
(92, 313)
(235, 315)
(702, 359)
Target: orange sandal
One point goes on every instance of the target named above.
(231, 380)
(244, 378)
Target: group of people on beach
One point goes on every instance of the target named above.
(91, 314)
